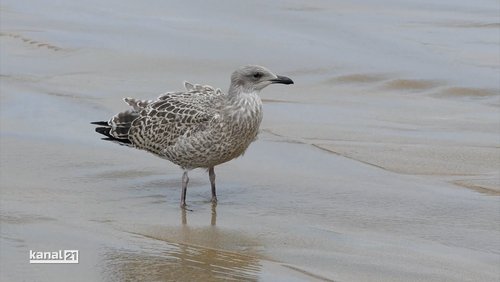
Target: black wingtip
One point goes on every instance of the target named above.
(104, 123)
(105, 131)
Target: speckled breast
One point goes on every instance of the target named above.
(223, 140)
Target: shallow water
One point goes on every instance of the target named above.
(379, 164)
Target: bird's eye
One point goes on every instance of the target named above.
(257, 75)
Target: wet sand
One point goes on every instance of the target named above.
(379, 164)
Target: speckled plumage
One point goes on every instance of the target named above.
(200, 127)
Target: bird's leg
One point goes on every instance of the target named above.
(211, 175)
(185, 180)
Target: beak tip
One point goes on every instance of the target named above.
(282, 80)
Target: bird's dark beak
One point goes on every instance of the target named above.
(282, 80)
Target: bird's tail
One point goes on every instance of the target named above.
(116, 129)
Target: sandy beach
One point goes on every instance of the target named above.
(381, 162)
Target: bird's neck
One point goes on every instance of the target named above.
(243, 104)
(237, 89)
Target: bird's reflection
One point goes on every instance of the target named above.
(186, 254)
(213, 218)
(179, 263)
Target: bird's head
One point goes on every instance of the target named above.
(252, 78)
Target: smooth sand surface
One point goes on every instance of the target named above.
(379, 164)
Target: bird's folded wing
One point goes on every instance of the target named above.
(160, 123)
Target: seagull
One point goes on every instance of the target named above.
(200, 127)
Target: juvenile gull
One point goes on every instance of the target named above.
(200, 127)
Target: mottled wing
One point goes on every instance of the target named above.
(160, 123)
